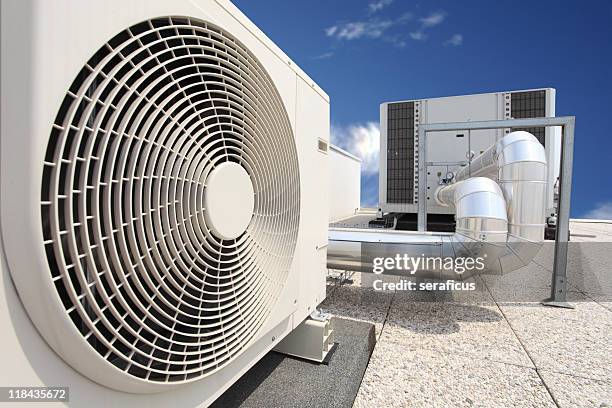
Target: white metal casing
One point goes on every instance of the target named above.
(44, 45)
(345, 184)
(446, 147)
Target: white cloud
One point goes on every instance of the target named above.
(428, 22)
(376, 28)
(331, 31)
(433, 19)
(351, 31)
(373, 28)
(456, 40)
(405, 17)
(325, 55)
(418, 35)
(358, 29)
(396, 40)
(378, 5)
(603, 211)
(362, 140)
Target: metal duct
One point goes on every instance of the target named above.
(499, 213)
(518, 163)
(480, 208)
(481, 228)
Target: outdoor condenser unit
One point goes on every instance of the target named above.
(449, 151)
(163, 198)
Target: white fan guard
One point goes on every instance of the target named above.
(144, 279)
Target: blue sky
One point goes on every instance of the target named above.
(367, 52)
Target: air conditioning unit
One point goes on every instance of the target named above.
(447, 152)
(163, 198)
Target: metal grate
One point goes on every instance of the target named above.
(530, 104)
(140, 274)
(400, 153)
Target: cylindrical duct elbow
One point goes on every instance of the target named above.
(518, 163)
(480, 208)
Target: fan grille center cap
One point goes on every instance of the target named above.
(229, 200)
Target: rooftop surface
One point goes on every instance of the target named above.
(496, 345)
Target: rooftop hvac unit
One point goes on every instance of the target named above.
(447, 152)
(161, 197)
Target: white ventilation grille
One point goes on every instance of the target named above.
(144, 279)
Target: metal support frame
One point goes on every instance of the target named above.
(567, 124)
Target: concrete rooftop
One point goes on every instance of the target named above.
(497, 345)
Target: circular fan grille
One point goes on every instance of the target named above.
(141, 275)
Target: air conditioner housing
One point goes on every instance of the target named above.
(55, 58)
(448, 151)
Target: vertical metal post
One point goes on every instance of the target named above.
(469, 156)
(559, 280)
(558, 296)
(422, 197)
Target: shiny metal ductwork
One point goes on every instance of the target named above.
(518, 163)
(499, 207)
(480, 209)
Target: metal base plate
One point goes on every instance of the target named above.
(554, 303)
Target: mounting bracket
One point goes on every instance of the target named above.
(311, 340)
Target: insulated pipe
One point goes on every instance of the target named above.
(518, 163)
(481, 228)
(480, 208)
